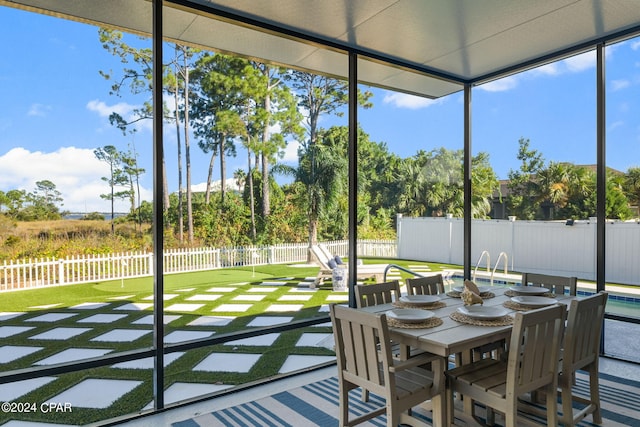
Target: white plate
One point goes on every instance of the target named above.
(482, 312)
(533, 301)
(420, 299)
(409, 315)
(530, 290)
(482, 289)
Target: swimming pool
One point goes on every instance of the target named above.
(617, 303)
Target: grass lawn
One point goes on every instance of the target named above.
(96, 316)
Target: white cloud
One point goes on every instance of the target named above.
(635, 45)
(104, 110)
(580, 62)
(39, 110)
(125, 110)
(291, 152)
(613, 126)
(216, 185)
(620, 84)
(76, 173)
(501, 85)
(412, 102)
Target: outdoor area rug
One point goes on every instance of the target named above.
(316, 404)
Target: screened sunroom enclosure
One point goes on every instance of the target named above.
(430, 49)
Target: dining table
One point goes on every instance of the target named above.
(443, 336)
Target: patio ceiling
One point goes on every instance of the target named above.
(424, 47)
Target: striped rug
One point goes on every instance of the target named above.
(316, 404)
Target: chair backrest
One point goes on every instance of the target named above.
(559, 285)
(363, 349)
(429, 285)
(377, 293)
(583, 332)
(319, 257)
(534, 349)
(326, 252)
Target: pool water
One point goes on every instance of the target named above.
(617, 304)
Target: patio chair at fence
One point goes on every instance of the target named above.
(364, 359)
(429, 285)
(532, 364)
(558, 285)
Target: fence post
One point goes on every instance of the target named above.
(61, 278)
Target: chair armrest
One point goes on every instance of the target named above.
(419, 360)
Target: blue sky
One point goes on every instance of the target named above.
(56, 107)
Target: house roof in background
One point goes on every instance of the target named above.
(425, 47)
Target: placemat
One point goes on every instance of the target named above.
(463, 318)
(515, 306)
(429, 323)
(432, 306)
(483, 295)
(511, 293)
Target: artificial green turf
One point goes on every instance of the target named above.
(184, 285)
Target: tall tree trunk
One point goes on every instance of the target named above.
(179, 144)
(207, 194)
(223, 170)
(252, 202)
(266, 203)
(187, 151)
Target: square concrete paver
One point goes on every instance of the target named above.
(233, 308)
(51, 317)
(313, 340)
(83, 394)
(14, 390)
(284, 307)
(121, 335)
(261, 340)
(338, 297)
(221, 290)
(71, 354)
(165, 297)
(212, 321)
(274, 283)
(119, 298)
(184, 307)
(295, 362)
(147, 362)
(102, 318)
(261, 289)
(179, 336)
(269, 320)
(249, 298)
(7, 331)
(6, 315)
(60, 333)
(9, 353)
(206, 297)
(90, 305)
(299, 297)
(227, 362)
(148, 320)
(184, 391)
(135, 306)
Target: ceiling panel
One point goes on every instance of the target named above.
(457, 41)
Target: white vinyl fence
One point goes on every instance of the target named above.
(533, 246)
(26, 274)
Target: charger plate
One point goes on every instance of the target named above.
(409, 315)
(463, 318)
